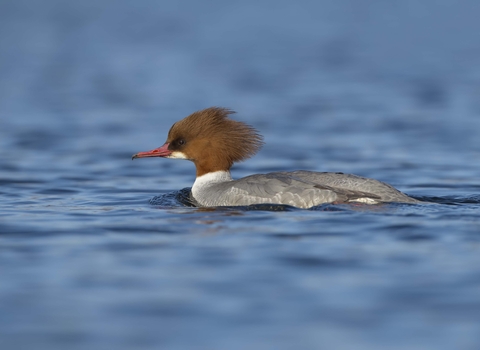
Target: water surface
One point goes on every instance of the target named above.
(382, 90)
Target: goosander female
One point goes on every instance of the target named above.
(214, 142)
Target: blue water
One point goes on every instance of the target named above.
(388, 90)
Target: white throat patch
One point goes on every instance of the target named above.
(177, 155)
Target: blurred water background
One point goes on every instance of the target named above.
(383, 89)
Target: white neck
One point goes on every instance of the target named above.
(203, 182)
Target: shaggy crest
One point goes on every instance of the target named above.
(224, 139)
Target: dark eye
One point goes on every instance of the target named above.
(181, 142)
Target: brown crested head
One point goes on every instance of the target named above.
(213, 141)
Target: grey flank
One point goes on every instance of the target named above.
(302, 189)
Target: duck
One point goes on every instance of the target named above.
(214, 142)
